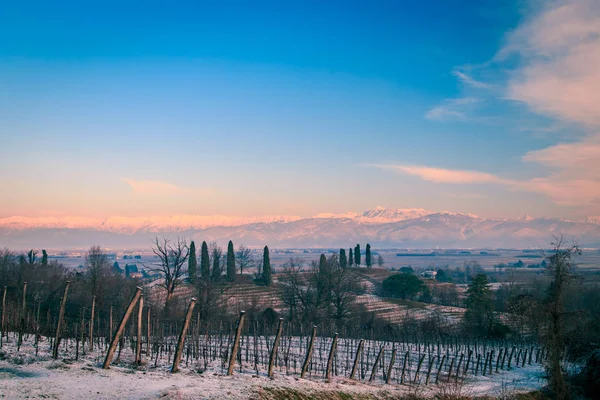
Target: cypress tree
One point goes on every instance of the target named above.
(368, 256)
(44, 258)
(323, 265)
(204, 262)
(266, 267)
(357, 255)
(31, 256)
(350, 258)
(343, 260)
(230, 262)
(217, 254)
(192, 263)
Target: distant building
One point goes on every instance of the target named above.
(117, 269)
(149, 274)
(429, 274)
(131, 269)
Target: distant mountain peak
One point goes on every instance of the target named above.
(379, 226)
(593, 220)
(394, 214)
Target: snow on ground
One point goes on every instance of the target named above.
(25, 375)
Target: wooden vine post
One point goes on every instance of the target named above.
(431, 361)
(511, 356)
(3, 315)
(23, 312)
(376, 364)
(439, 371)
(331, 353)
(110, 325)
(92, 323)
(148, 335)
(117, 336)
(450, 369)
(181, 340)
(498, 359)
(274, 349)
(468, 362)
(236, 342)
(419, 368)
(388, 377)
(356, 358)
(309, 352)
(462, 355)
(61, 315)
(404, 364)
(138, 342)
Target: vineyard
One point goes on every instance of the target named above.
(276, 349)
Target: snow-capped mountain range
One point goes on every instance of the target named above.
(135, 224)
(390, 227)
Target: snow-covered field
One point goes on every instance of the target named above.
(25, 375)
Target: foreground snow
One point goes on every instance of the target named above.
(24, 375)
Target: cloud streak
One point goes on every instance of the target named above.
(553, 64)
(560, 54)
(441, 175)
(158, 188)
(470, 81)
(570, 190)
(453, 109)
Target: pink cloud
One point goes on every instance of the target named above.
(158, 188)
(558, 76)
(441, 175)
(561, 73)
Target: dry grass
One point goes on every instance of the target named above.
(294, 394)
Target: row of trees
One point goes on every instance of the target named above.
(354, 257)
(178, 261)
(235, 260)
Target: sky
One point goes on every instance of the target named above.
(299, 107)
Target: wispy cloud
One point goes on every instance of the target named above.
(441, 175)
(453, 109)
(469, 80)
(158, 188)
(575, 179)
(553, 64)
(560, 71)
(570, 186)
(560, 77)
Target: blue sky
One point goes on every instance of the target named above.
(297, 108)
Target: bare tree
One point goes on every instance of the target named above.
(343, 286)
(380, 260)
(293, 294)
(327, 290)
(243, 258)
(98, 267)
(212, 298)
(561, 271)
(173, 257)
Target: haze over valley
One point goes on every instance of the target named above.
(382, 227)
